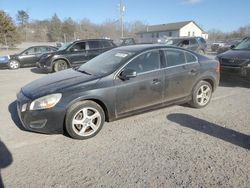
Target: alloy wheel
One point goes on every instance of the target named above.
(86, 121)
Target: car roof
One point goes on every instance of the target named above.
(84, 40)
(143, 47)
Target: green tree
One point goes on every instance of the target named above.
(55, 29)
(8, 33)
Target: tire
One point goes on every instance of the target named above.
(202, 94)
(84, 120)
(14, 64)
(60, 65)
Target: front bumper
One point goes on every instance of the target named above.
(43, 121)
(43, 67)
(243, 72)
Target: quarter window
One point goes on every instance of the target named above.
(174, 57)
(190, 58)
(146, 62)
(94, 44)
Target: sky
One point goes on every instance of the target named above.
(224, 15)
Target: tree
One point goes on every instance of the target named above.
(69, 29)
(22, 18)
(55, 29)
(8, 33)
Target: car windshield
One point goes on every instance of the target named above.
(243, 45)
(173, 41)
(105, 63)
(64, 46)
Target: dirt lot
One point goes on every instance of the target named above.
(171, 147)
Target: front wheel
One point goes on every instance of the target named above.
(14, 64)
(60, 65)
(202, 95)
(84, 120)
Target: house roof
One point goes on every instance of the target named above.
(167, 27)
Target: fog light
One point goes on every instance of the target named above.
(38, 124)
(24, 107)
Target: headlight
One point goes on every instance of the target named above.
(45, 102)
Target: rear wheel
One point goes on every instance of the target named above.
(84, 120)
(14, 64)
(60, 65)
(202, 94)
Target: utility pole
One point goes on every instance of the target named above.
(122, 12)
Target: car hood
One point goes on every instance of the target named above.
(240, 54)
(56, 82)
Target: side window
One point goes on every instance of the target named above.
(94, 44)
(193, 42)
(44, 49)
(145, 62)
(190, 58)
(30, 51)
(80, 46)
(174, 57)
(106, 44)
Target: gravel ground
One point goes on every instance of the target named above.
(171, 147)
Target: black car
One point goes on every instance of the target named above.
(236, 61)
(28, 57)
(118, 83)
(74, 54)
(196, 44)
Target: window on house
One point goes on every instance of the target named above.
(193, 33)
(153, 35)
(157, 35)
(141, 35)
(189, 33)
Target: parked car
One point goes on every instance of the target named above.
(28, 57)
(216, 45)
(118, 83)
(236, 61)
(74, 54)
(197, 44)
(227, 46)
(127, 41)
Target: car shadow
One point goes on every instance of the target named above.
(228, 135)
(14, 115)
(227, 81)
(38, 71)
(5, 159)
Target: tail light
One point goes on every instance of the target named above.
(218, 67)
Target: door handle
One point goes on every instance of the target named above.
(193, 71)
(156, 81)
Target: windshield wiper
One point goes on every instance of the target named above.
(82, 71)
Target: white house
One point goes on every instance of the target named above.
(179, 29)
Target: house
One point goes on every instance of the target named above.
(154, 33)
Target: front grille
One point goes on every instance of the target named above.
(233, 62)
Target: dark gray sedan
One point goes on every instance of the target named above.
(28, 57)
(121, 82)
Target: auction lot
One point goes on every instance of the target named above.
(176, 146)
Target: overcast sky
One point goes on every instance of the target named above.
(225, 15)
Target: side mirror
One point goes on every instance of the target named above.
(126, 74)
(232, 46)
